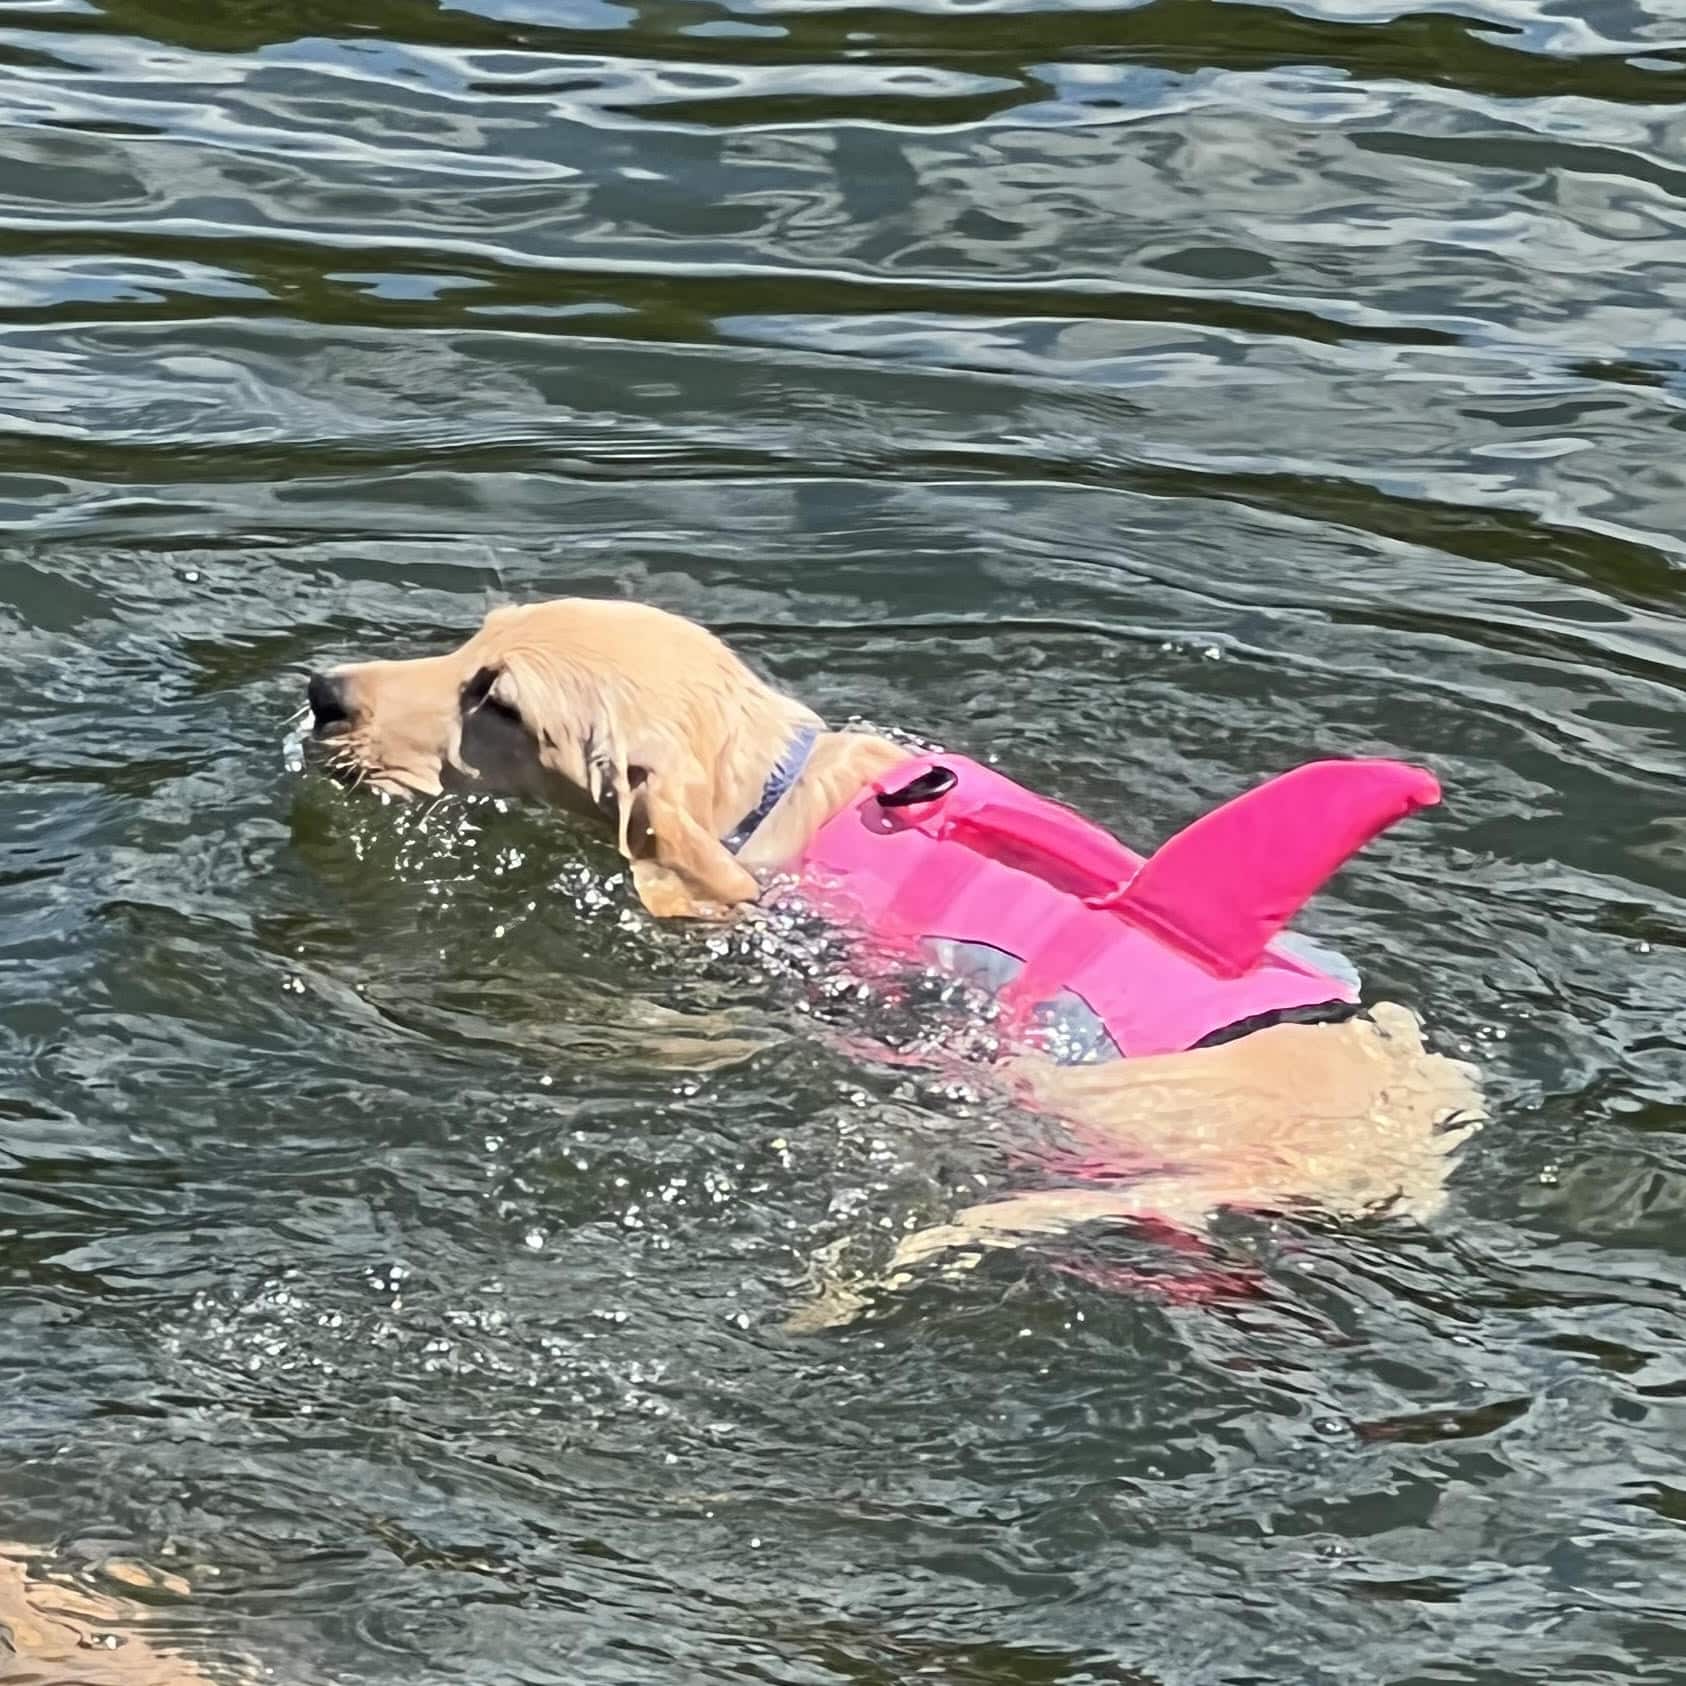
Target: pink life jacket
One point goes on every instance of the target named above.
(950, 858)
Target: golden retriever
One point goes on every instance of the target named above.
(651, 723)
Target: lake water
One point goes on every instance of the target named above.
(398, 1234)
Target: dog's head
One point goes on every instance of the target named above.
(476, 719)
(606, 706)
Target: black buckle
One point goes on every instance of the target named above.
(932, 783)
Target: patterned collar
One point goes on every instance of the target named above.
(782, 777)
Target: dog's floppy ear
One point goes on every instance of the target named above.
(640, 770)
(679, 867)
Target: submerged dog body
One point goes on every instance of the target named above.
(710, 776)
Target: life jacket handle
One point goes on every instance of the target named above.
(933, 783)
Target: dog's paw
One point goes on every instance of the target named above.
(666, 895)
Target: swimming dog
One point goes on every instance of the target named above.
(1160, 1006)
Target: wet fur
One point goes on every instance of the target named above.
(613, 708)
(651, 723)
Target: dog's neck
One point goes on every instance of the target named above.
(785, 773)
(838, 766)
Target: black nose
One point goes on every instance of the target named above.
(327, 700)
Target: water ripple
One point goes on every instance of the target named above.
(409, 1242)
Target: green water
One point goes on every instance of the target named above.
(1148, 396)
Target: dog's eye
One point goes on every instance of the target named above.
(478, 693)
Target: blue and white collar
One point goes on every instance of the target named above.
(782, 777)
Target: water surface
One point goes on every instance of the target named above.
(398, 1231)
